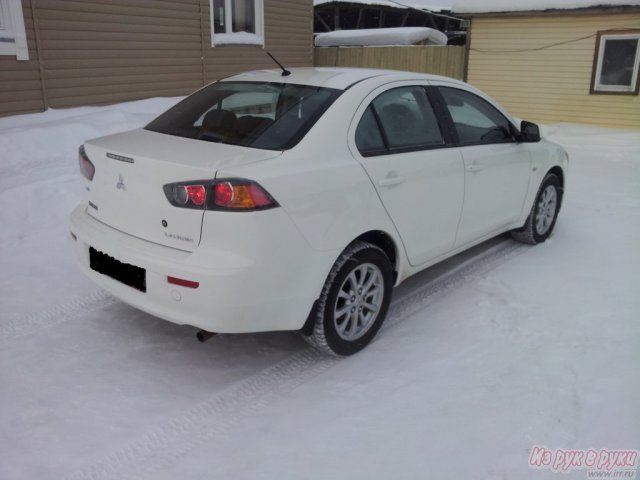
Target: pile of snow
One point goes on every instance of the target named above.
(381, 36)
(48, 139)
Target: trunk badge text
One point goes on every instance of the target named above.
(120, 158)
(120, 185)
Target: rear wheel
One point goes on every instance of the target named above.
(544, 213)
(354, 301)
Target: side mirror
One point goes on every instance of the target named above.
(529, 132)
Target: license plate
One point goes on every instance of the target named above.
(123, 272)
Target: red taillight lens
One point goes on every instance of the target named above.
(229, 194)
(188, 195)
(223, 194)
(86, 167)
(197, 194)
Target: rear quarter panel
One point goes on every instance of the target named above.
(323, 189)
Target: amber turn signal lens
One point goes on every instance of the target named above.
(241, 196)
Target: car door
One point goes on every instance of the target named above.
(420, 180)
(496, 166)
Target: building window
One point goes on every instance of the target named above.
(237, 22)
(616, 63)
(13, 39)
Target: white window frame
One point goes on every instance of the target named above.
(13, 38)
(228, 37)
(596, 86)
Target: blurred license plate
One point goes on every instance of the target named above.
(123, 272)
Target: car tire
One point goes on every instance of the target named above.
(544, 212)
(354, 301)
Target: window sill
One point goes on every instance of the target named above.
(614, 92)
(8, 47)
(237, 39)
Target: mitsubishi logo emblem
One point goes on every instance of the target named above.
(120, 185)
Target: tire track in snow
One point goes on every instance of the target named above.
(28, 324)
(220, 414)
(421, 297)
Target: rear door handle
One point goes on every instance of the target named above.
(390, 181)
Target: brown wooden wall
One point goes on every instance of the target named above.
(106, 51)
(288, 28)
(20, 86)
(448, 61)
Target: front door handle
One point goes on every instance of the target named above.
(390, 181)
(474, 167)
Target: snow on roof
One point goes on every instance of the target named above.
(501, 6)
(434, 6)
(380, 36)
(491, 6)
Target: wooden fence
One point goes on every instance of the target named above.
(448, 61)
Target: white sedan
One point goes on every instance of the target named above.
(276, 201)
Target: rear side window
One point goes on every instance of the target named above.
(476, 120)
(272, 116)
(401, 119)
(368, 136)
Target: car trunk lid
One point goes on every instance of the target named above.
(131, 169)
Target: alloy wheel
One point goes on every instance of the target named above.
(359, 301)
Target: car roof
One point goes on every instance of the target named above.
(338, 78)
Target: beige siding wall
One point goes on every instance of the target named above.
(447, 61)
(20, 87)
(106, 51)
(550, 85)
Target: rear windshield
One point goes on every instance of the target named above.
(273, 116)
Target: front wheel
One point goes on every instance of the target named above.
(544, 212)
(354, 300)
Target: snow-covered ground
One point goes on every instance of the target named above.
(494, 351)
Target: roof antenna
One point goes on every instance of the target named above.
(285, 72)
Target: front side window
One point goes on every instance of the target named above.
(13, 39)
(476, 121)
(616, 63)
(400, 119)
(272, 116)
(237, 22)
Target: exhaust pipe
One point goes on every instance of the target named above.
(203, 335)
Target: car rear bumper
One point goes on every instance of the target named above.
(261, 275)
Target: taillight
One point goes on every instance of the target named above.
(187, 195)
(241, 195)
(229, 194)
(86, 167)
